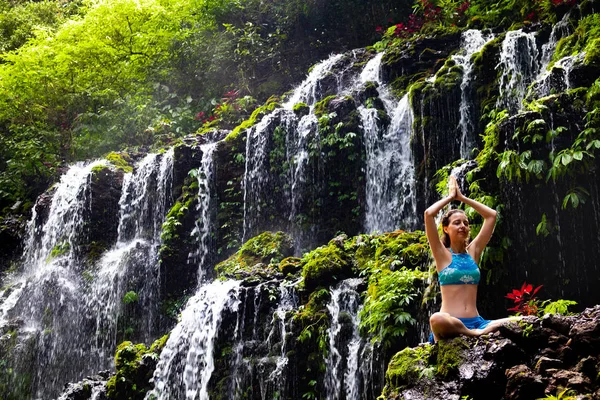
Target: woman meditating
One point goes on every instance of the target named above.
(456, 259)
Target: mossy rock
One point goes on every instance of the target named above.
(121, 161)
(322, 107)
(135, 365)
(272, 103)
(290, 265)
(326, 265)
(449, 356)
(259, 256)
(392, 250)
(301, 109)
(406, 367)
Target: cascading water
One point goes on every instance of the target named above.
(49, 291)
(308, 91)
(343, 375)
(559, 30)
(257, 180)
(76, 305)
(519, 63)
(206, 210)
(127, 275)
(187, 361)
(390, 189)
(472, 42)
(391, 200)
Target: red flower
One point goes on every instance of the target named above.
(524, 299)
(199, 116)
(379, 29)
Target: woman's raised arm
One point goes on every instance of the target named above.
(438, 250)
(489, 221)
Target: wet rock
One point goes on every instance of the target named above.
(586, 334)
(545, 363)
(559, 323)
(523, 384)
(571, 379)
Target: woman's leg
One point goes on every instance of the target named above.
(445, 326)
(495, 324)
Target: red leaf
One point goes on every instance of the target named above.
(536, 290)
(523, 287)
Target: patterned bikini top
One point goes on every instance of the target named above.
(462, 271)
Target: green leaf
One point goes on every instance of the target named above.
(565, 158)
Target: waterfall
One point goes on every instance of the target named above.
(130, 268)
(257, 179)
(260, 361)
(206, 209)
(258, 182)
(559, 30)
(390, 186)
(308, 91)
(188, 360)
(343, 374)
(519, 63)
(77, 306)
(390, 183)
(472, 42)
(46, 294)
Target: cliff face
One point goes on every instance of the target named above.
(128, 249)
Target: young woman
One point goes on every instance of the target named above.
(456, 259)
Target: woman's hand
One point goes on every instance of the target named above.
(453, 189)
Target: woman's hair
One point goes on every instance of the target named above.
(446, 222)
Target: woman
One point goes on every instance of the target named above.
(456, 260)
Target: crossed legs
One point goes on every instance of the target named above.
(445, 326)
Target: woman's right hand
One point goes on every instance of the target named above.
(453, 190)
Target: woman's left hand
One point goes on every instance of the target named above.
(453, 189)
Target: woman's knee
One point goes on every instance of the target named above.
(439, 320)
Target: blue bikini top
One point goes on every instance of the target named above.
(462, 271)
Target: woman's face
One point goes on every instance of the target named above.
(458, 227)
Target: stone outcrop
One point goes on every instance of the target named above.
(527, 359)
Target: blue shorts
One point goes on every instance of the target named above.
(471, 323)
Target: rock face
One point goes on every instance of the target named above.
(527, 359)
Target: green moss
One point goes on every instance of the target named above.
(321, 107)
(266, 250)
(131, 380)
(290, 265)
(97, 169)
(407, 366)
(391, 250)
(130, 297)
(301, 109)
(60, 249)
(585, 38)
(272, 103)
(450, 355)
(159, 344)
(120, 161)
(413, 364)
(325, 265)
